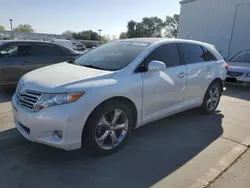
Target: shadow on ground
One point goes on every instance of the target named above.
(154, 151)
(240, 92)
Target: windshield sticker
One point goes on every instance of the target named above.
(141, 44)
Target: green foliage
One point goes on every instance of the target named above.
(148, 27)
(172, 26)
(123, 35)
(152, 27)
(24, 28)
(86, 35)
(2, 28)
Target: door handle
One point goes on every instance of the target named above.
(181, 75)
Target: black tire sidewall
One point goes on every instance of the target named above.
(206, 97)
(89, 140)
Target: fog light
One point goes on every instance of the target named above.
(58, 135)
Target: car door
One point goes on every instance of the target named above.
(15, 62)
(163, 91)
(200, 63)
(46, 54)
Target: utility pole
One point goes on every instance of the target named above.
(100, 35)
(12, 36)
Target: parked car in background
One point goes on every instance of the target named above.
(100, 97)
(19, 57)
(65, 43)
(239, 69)
(80, 47)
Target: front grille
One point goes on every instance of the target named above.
(28, 99)
(234, 74)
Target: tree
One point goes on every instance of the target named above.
(2, 28)
(152, 27)
(131, 29)
(68, 33)
(86, 35)
(148, 27)
(172, 26)
(123, 35)
(24, 28)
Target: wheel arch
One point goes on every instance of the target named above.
(216, 80)
(220, 82)
(122, 99)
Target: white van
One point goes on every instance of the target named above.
(65, 43)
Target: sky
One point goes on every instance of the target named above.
(56, 16)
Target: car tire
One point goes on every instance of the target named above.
(101, 124)
(212, 98)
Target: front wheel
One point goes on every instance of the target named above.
(108, 128)
(212, 98)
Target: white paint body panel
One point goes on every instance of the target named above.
(155, 94)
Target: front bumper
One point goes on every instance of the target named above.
(40, 126)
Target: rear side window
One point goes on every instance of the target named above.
(209, 55)
(167, 53)
(193, 53)
(45, 50)
(15, 50)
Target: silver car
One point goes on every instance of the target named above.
(239, 69)
(98, 99)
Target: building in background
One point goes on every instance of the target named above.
(224, 23)
(32, 36)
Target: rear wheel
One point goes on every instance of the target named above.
(108, 128)
(212, 98)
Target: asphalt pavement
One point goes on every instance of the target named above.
(189, 149)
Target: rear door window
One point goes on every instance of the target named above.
(193, 53)
(209, 55)
(45, 50)
(15, 50)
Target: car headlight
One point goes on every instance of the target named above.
(57, 99)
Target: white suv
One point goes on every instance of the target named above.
(97, 99)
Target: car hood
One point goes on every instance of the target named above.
(239, 67)
(62, 77)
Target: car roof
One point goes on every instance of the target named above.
(163, 40)
(25, 41)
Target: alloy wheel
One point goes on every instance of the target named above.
(213, 99)
(111, 129)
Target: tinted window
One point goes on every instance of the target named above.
(17, 50)
(209, 55)
(168, 54)
(242, 57)
(193, 53)
(45, 50)
(112, 56)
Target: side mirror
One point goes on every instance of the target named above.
(155, 66)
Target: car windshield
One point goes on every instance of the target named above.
(241, 57)
(112, 56)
